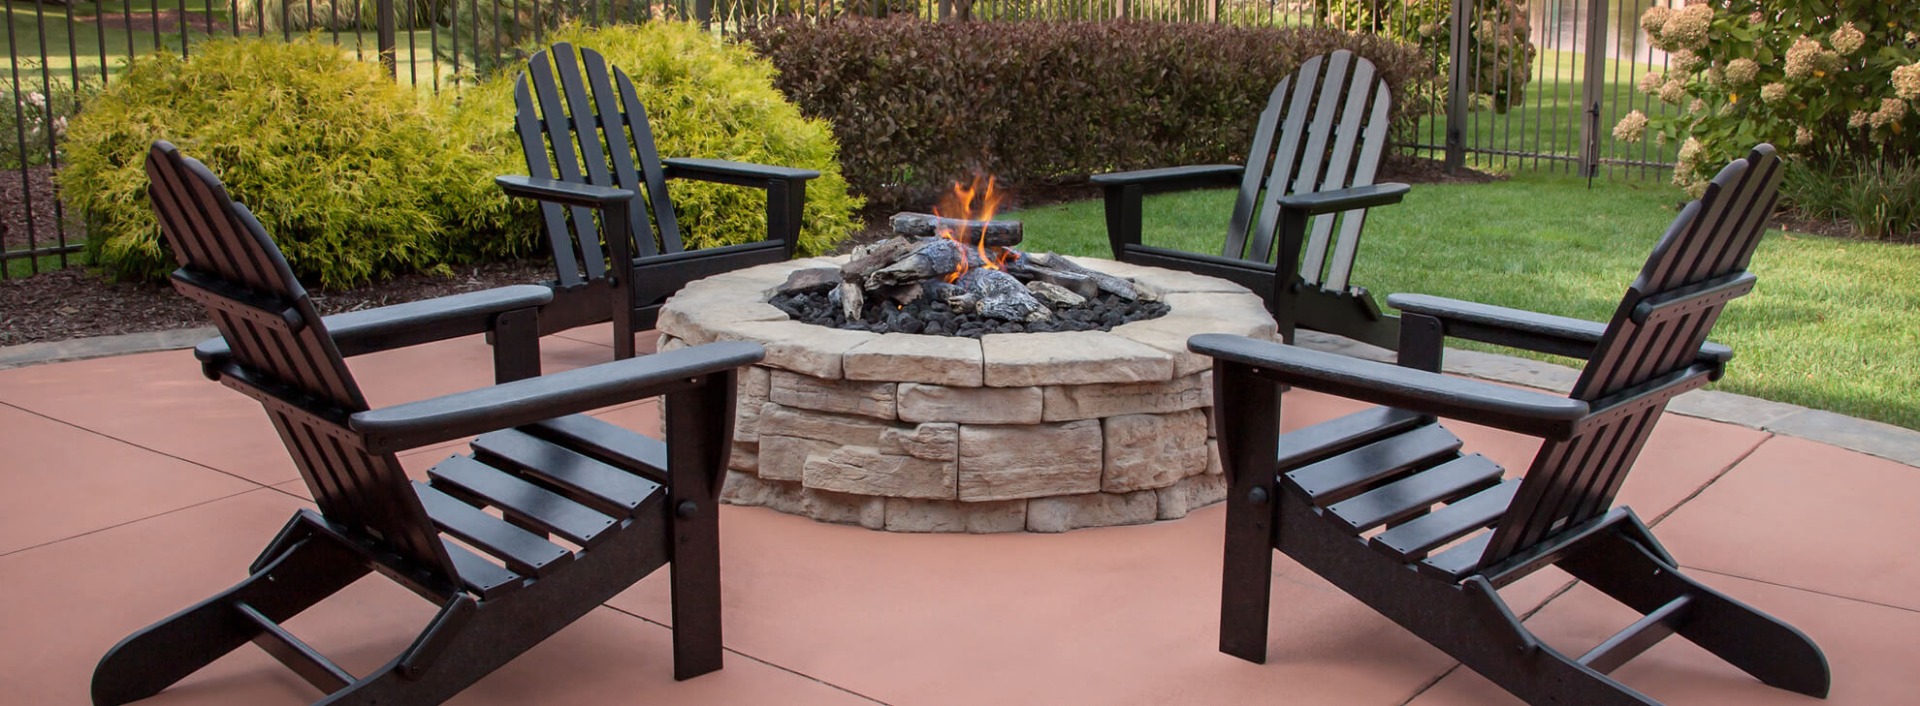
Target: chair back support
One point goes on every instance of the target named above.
(580, 121)
(283, 357)
(1333, 136)
(1650, 353)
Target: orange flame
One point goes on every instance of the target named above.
(960, 205)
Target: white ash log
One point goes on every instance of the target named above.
(812, 279)
(1117, 286)
(1054, 295)
(852, 300)
(903, 294)
(1003, 297)
(926, 225)
(1027, 270)
(874, 256)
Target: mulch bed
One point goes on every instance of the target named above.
(38, 183)
(77, 303)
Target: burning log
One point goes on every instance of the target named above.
(935, 258)
(868, 258)
(926, 225)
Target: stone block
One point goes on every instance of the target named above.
(969, 405)
(1066, 512)
(930, 442)
(841, 509)
(744, 457)
(1008, 462)
(905, 515)
(745, 489)
(864, 470)
(1069, 402)
(1071, 358)
(668, 343)
(779, 420)
(785, 457)
(753, 387)
(1189, 494)
(867, 399)
(1153, 450)
(1213, 456)
(934, 360)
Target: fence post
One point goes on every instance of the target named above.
(385, 29)
(1457, 97)
(1595, 74)
(703, 11)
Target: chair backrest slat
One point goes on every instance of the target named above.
(533, 144)
(590, 128)
(1324, 128)
(1650, 352)
(558, 128)
(282, 356)
(1372, 146)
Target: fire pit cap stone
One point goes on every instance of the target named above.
(933, 360)
(799, 347)
(1071, 358)
(1160, 280)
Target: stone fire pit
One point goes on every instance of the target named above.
(1042, 432)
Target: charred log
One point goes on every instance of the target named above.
(852, 300)
(1117, 286)
(926, 225)
(933, 259)
(812, 279)
(1053, 295)
(868, 258)
(1027, 269)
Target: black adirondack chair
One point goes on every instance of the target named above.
(1383, 504)
(589, 149)
(1315, 152)
(628, 503)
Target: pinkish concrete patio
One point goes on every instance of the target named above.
(134, 487)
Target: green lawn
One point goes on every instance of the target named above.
(1831, 325)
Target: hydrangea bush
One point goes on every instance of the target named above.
(1831, 83)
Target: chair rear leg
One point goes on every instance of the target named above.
(1246, 578)
(1774, 652)
(159, 655)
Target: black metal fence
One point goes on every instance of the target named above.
(1540, 87)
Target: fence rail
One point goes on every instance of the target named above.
(1543, 95)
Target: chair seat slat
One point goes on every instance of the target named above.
(479, 576)
(523, 552)
(1459, 561)
(607, 443)
(1415, 493)
(1420, 535)
(1315, 443)
(603, 487)
(1347, 474)
(552, 511)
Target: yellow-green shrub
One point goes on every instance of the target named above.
(704, 98)
(347, 171)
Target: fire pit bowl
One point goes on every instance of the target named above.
(1041, 432)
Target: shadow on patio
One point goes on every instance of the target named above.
(134, 488)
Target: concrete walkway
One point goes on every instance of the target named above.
(134, 487)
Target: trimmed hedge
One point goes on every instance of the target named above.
(917, 104)
(345, 168)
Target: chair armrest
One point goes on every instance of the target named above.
(463, 414)
(1173, 178)
(1347, 199)
(1519, 328)
(737, 173)
(408, 324)
(565, 193)
(1522, 411)
(1124, 191)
